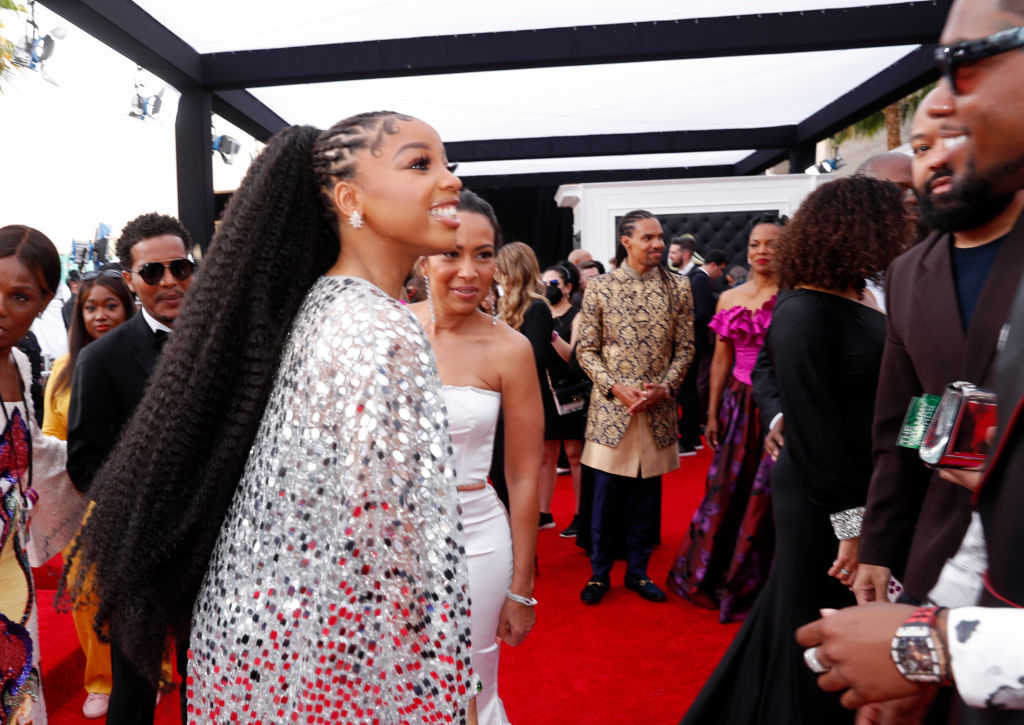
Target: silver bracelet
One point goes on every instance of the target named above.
(846, 524)
(528, 601)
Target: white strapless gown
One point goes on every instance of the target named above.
(472, 419)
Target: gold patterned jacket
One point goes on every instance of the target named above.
(633, 330)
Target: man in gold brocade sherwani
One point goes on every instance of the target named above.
(636, 343)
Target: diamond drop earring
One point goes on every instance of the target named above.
(430, 299)
(355, 219)
(493, 304)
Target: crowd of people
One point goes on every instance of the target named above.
(310, 476)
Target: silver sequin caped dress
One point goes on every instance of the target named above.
(337, 591)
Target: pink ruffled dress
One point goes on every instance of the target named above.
(726, 555)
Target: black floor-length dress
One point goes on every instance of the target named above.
(827, 352)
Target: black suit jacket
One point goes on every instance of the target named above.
(703, 310)
(1001, 498)
(110, 377)
(915, 520)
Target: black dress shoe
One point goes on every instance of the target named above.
(645, 588)
(594, 591)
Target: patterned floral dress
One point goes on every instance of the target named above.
(28, 463)
(727, 552)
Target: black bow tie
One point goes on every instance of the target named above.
(159, 339)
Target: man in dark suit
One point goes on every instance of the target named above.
(947, 299)
(982, 645)
(109, 379)
(704, 299)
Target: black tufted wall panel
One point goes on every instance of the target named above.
(726, 230)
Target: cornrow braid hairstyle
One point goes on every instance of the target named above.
(626, 226)
(163, 493)
(628, 222)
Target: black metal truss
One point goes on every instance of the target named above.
(790, 32)
(217, 82)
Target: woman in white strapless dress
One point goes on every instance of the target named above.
(486, 366)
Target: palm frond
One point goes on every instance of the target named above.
(7, 48)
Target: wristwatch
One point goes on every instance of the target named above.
(916, 650)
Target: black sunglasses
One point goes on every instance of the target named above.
(153, 272)
(112, 273)
(952, 57)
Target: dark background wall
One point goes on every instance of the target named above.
(531, 215)
(727, 230)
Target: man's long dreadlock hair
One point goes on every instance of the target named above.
(162, 494)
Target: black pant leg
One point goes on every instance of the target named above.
(689, 403)
(132, 698)
(609, 496)
(643, 511)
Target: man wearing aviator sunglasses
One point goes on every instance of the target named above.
(110, 377)
(153, 272)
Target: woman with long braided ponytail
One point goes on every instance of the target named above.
(285, 487)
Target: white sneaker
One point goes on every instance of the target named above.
(95, 705)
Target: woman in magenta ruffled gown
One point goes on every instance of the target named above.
(727, 552)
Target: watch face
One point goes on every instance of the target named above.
(915, 656)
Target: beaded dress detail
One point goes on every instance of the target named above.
(337, 591)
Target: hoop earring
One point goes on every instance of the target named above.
(355, 219)
(430, 299)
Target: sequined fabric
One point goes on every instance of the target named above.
(337, 591)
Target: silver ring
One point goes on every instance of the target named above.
(844, 572)
(811, 658)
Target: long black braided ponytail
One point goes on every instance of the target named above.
(162, 494)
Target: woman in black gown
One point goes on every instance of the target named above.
(826, 343)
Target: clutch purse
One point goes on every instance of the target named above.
(957, 436)
(569, 396)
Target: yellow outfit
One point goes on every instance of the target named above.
(97, 678)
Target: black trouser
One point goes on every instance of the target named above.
(132, 697)
(641, 499)
(692, 414)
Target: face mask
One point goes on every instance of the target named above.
(553, 293)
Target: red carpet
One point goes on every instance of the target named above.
(624, 661)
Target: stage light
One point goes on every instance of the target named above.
(34, 51)
(227, 147)
(143, 104)
(826, 167)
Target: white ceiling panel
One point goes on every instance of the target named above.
(600, 163)
(700, 94)
(225, 25)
